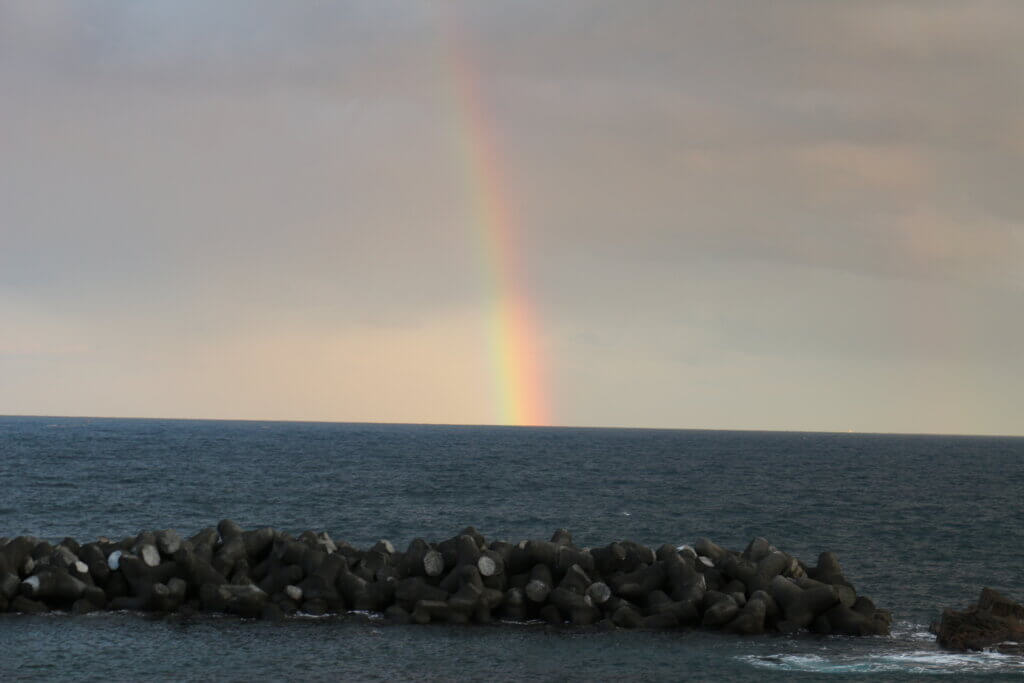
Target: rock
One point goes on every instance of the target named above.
(771, 609)
(540, 583)
(42, 550)
(736, 568)
(382, 546)
(800, 606)
(657, 598)
(1000, 605)
(71, 544)
(575, 580)
(750, 620)
(705, 548)
(637, 584)
(758, 549)
(277, 579)
(679, 569)
(272, 612)
(9, 583)
(610, 558)
(569, 602)
(149, 554)
(52, 583)
(114, 560)
(62, 557)
(415, 589)
(599, 592)
(693, 590)
(245, 601)
(265, 573)
(490, 563)
(513, 605)
(467, 550)
(627, 617)
(636, 555)
(168, 541)
(228, 529)
(258, 542)
(27, 605)
(466, 598)
(684, 612)
(568, 557)
(430, 610)
(845, 621)
(358, 593)
(723, 610)
(16, 553)
(231, 550)
(994, 620)
(768, 567)
(828, 570)
(205, 537)
(561, 537)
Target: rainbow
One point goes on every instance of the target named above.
(512, 332)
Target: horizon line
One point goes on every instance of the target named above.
(506, 426)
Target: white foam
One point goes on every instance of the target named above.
(522, 622)
(915, 662)
(810, 664)
(908, 630)
(376, 616)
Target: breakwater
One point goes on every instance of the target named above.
(270, 574)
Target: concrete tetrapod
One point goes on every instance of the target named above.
(268, 573)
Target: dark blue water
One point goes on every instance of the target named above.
(919, 522)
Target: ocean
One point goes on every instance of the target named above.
(918, 522)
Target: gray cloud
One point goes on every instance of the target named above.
(808, 193)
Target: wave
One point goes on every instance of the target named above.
(915, 662)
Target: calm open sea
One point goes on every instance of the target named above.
(918, 522)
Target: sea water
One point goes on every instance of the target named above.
(918, 522)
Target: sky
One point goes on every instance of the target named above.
(788, 215)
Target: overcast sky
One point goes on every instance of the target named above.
(780, 215)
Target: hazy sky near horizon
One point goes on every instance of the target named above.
(784, 215)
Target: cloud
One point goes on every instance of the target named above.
(708, 195)
(431, 371)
